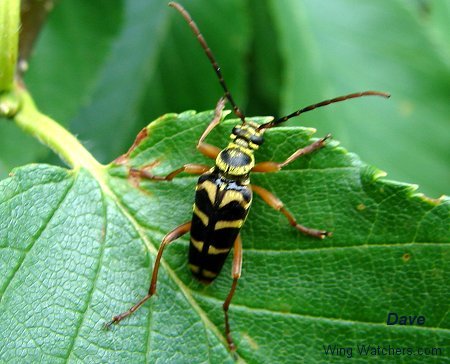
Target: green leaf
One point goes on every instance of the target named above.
(78, 247)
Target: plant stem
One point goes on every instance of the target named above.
(9, 36)
(50, 133)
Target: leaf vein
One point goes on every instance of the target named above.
(94, 281)
(244, 308)
(33, 241)
(362, 246)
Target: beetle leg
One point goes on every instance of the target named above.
(270, 166)
(235, 274)
(276, 204)
(191, 168)
(170, 237)
(206, 149)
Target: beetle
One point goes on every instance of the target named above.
(224, 194)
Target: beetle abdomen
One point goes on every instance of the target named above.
(220, 209)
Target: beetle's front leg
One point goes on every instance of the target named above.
(206, 149)
(270, 166)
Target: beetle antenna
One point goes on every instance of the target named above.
(273, 123)
(210, 56)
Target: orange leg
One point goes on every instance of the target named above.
(191, 168)
(270, 166)
(276, 204)
(235, 274)
(206, 149)
(170, 237)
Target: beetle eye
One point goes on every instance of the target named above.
(238, 131)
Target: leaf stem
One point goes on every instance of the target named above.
(9, 35)
(50, 133)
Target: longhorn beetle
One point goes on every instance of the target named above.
(224, 194)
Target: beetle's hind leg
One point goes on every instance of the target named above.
(170, 237)
(278, 205)
(235, 274)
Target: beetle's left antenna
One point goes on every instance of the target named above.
(209, 54)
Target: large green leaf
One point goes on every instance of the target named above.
(78, 247)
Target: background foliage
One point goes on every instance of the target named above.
(131, 62)
(77, 244)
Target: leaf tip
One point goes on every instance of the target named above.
(378, 174)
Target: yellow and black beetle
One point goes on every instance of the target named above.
(224, 193)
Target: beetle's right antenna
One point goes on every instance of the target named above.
(209, 54)
(355, 95)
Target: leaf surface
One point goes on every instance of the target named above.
(77, 250)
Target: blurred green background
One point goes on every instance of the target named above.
(104, 69)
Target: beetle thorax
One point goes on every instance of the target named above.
(237, 160)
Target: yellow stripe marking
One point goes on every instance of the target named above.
(197, 244)
(210, 188)
(213, 250)
(201, 215)
(208, 274)
(234, 196)
(223, 224)
(221, 164)
(194, 268)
